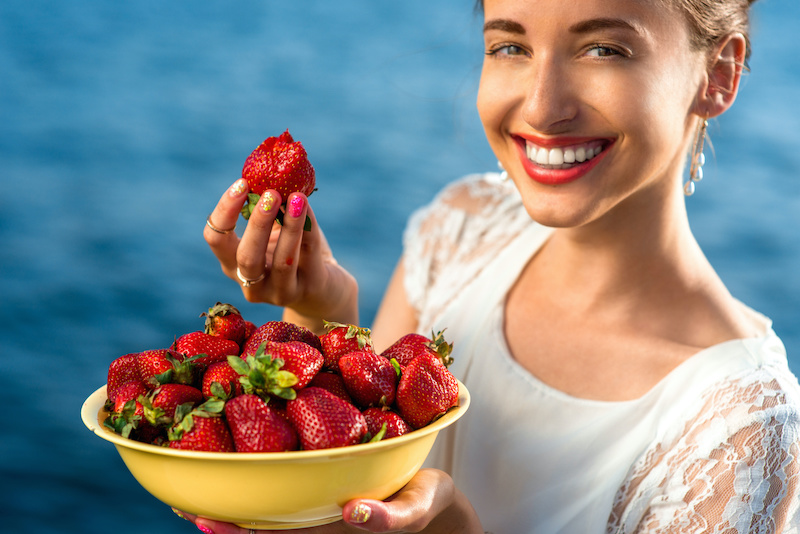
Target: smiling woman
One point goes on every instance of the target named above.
(618, 386)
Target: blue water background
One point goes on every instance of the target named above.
(121, 123)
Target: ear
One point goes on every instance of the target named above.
(722, 77)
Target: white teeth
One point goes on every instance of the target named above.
(555, 157)
(561, 156)
(542, 156)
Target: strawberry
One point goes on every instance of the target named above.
(370, 379)
(160, 404)
(209, 348)
(341, 339)
(125, 410)
(164, 366)
(262, 375)
(300, 359)
(256, 427)
(394, 424)
(332, 382)
(324, 421)
(225, 377)
(201, 429)
(225, 321)
(280, 331)
(249, 328)
(410, 346)
(426, 390)
(121, 370)
(279, 163)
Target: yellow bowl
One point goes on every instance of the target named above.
(272, 490)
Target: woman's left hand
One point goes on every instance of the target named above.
(430, 503)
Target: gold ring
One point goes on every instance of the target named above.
(247, 282)
(218, 230)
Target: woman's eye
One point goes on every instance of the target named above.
(602, 51)
(506, 50)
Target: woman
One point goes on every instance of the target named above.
(617, 386)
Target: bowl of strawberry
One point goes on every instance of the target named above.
(274, 427)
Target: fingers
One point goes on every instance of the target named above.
(218, 232)
(250, 257)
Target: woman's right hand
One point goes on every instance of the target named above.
(286, 265)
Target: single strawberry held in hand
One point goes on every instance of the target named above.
(279, 163)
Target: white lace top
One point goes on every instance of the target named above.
(714, 447)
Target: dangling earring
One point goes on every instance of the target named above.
(697, 160)
(503, 173)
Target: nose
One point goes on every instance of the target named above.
(550, 102)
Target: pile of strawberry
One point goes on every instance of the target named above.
(277, 387)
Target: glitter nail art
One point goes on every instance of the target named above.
(238, 188)
(267, 201)
(361, 513)
(296, 206)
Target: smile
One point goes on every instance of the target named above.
(560, 161)
(562, 157)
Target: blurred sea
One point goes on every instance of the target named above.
(121, 124)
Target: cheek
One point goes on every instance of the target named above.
(494, 103)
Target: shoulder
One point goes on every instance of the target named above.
(458, 233)
(736, 455)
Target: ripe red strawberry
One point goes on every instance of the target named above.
(121, 370)
(262, 375)
(161, 403)
(300, 359)
(395, 425)
(280, 331)
(201, 429)
(426, 390)
(129, 391)
(126, 411)
(332, 382)
(370, 379)
(225, 321)
(341, 339)
(164, 366)
(226, 376)
(324, 421)
(212, 348)
(249, 328)
(257, 427)
(279, 163)
(410, 346)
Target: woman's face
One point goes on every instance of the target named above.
(588, 104)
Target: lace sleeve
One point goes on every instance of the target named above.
(733, 468)
(457, 234)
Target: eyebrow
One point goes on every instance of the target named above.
(585, 26)
(588, 26)
(504, 25)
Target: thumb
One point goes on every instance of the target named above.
(411, 509)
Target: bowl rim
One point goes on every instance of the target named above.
(93, 413)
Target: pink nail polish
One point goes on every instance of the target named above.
(204, 529)
(296, 205)
(238, 187)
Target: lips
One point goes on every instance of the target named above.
(560, 161)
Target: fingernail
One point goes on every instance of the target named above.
(296, 205)
(204, 529)
(267, 201)
(179, 513)
(238, 187)
(361, 513)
